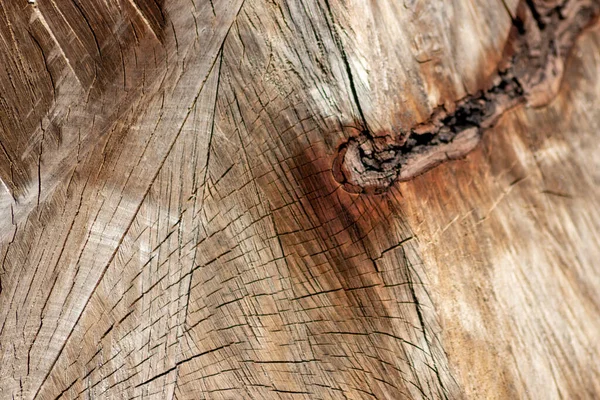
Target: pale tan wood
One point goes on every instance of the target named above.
(171, 227)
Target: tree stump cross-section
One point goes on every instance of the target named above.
(236, 199)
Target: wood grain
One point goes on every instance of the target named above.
(172, 228)
(540, 40)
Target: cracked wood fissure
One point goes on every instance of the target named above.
(171, 226)
(542, 36)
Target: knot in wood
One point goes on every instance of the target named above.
(543, 34)
(366, 164)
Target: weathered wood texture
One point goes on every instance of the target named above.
(540, 41)
(171, 227)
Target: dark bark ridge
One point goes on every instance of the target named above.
(543, 33)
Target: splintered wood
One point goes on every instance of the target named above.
(180, 216)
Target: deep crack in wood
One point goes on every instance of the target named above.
(541, 38)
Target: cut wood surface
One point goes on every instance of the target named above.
(173, 224)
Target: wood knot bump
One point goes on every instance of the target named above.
(370, 165)
(366, 165)
(541, 38)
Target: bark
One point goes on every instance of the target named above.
(236, 199)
